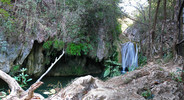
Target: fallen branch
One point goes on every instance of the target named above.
(12, 83)
(56, 60)
(31, 91)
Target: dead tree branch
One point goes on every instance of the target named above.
(56, 60)
(31, 91)
(12, 83)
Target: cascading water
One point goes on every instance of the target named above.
(129, 56)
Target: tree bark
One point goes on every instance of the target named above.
(149, 34)
(154, 27)
(176, 9)
(163, 28)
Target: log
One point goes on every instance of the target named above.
(16, 90)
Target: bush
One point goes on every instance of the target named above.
(22, 78)
(112, 68)
(142, 60)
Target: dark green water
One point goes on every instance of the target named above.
(52, 82)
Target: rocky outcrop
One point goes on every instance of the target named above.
(133, 33)
(130, 86)
(15, 50)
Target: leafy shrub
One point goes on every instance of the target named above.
(22, 78)
(77, 49)
(112, 68)
(147, 94)
(6, 1)
(176, 75)
(142, 60)
(4, 13)
(74, 49)
(47, 45)
(58, 44)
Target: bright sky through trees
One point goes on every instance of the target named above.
(129, 5)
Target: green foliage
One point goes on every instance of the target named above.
(51, 47)
(142, 60)
(147, 94)
(22, 78)
(112, 68)
(167, 57)
(58, 44)
(73, 49)
(4, 13)
(16, 67)
(176, 75)
(47, 45)
(76, 49)
(6, 1)
(14, 70)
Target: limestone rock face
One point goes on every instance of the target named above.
(14, 50)
(35, 61)
(126, 87)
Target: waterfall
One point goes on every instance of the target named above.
(129, 56)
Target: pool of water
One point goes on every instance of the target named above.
(52, 82)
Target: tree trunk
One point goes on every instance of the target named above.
(176, 8)
(154, 26)
(149, 34)
(163, 28)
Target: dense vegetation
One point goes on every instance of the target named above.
(78, 20)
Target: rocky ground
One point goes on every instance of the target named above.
(153, 81)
